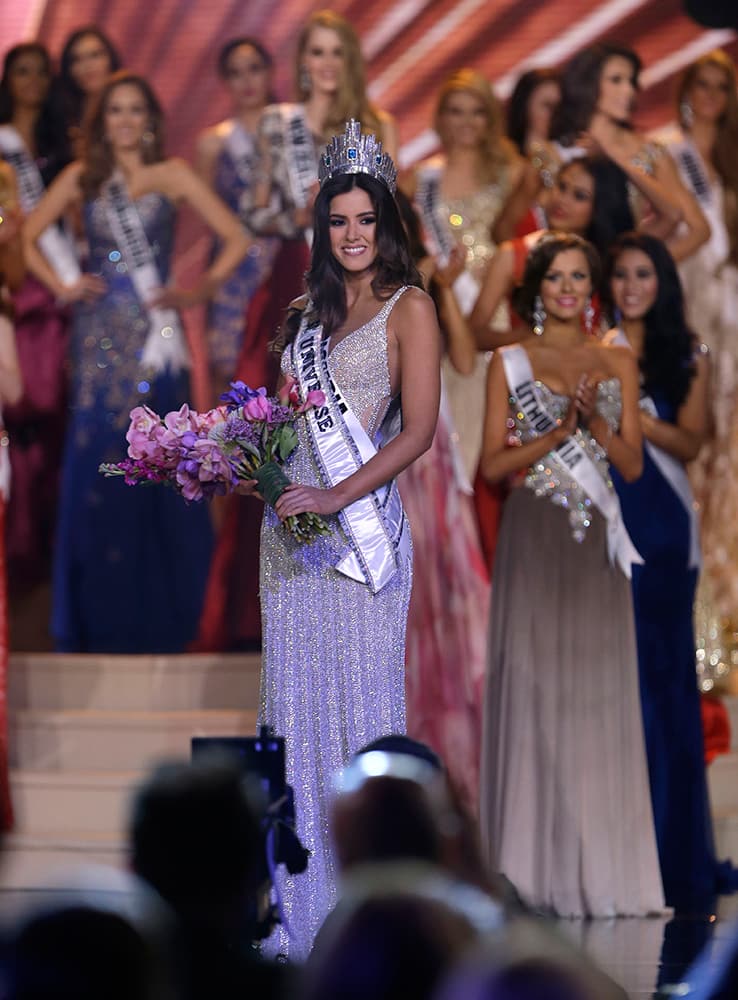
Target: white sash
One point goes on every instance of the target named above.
(241, 148)
(54, 244)
(439, 237)
(165, 343)
(375, 524)
(300, 158)
(671, 469)
(570, 457)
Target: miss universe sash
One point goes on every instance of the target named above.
(300, 159)
(671, 469)
(570, 457)
(439, 237)
(241, 148)
(53, 243)
(375, 524)
(165, 343)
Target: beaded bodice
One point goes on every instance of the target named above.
(550, 479)
(358, 363)
(471, 218)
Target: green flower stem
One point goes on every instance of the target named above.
(272, 482)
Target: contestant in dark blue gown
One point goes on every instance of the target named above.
(645, 291)
(130, 564)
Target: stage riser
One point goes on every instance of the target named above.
(65, 804)
(136, 683)
(726, 835)
(114, 741)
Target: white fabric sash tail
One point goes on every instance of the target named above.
(571, 457)
(54, 244)
(241, 148)
(300, 158)
(438, 235)
(375, 524)
(673, 472)
(165, 345)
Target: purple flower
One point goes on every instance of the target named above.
(239, 394)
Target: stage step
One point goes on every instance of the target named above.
(97, 802)
(134, 683)
(45, 859)
(43, 740)
(722, 779)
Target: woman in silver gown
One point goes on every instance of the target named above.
(334, 611)
(566, 811)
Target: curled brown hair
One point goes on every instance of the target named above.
(540, 260)
(99, 159)
(351, 101)
(726, 140)
(495, 149)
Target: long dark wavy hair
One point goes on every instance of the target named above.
(50, 135)
(540, 260)
(611, 212)
(517, 106)
(99, 161)
(667, 364)
(580, 89)
(73, 98)
(325, 280)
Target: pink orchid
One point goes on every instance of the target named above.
(316, 397)
(141, 433)
(182, 420)
(258, 408)
(206, 421)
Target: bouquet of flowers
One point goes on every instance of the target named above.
(208, 454)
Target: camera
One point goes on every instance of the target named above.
(262, 761)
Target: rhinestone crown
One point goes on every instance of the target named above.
(355, 153)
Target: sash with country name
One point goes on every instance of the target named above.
(300, 159)
(165, 345)
(570, 457)
(438, 235)
(671, 469)
(375, 524)
(241, 148)
(54, 244)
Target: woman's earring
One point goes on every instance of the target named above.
(148, 137)
(589, 315)
(539, 316)
(305, 81)
(686, 114)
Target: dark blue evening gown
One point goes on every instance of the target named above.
(663, 597)
(131, 562)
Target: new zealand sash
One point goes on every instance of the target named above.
(375, 524)
(570, 457)
(241, 148)
(299, 156)
(54, 244)
(165, 343)
(672, 470)
(438, 235)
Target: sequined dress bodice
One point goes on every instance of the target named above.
(471, 218)
(109, 333)
(551, 480)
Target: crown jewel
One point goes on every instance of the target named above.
(354, 153)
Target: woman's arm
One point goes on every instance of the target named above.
(183, 183)
(11, 382)
(499, 459)
(684, 439)
(413, 324)
(498, 282)
(695, 229)
(209, 144)
(624, 447)
(58, 199)
(523, 195)
(12, 265)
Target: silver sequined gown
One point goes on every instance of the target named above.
(566, 809)
(333, 653)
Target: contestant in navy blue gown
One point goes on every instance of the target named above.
(646, 295)
(130, 564)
